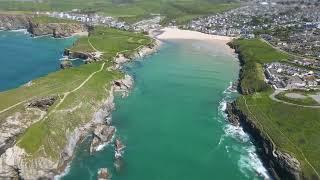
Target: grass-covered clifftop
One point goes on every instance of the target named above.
(111, 41)
(253, 54)
(292, 129)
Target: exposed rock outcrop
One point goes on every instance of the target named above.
(14, 22)
(281, 165)
(57, 30)
(103, 174)
(42, 103)
(118, 148)
(118, 154)
(102, 134)
(142, 52)
(65, 64)
(124, 85)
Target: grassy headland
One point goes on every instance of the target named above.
(117, 41)
(80, 92)
(293, 129)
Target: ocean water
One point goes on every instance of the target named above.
(24, 58)
(173, 121)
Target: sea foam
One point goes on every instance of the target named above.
(249, 161)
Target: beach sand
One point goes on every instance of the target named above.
(176, 34)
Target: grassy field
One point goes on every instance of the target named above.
(180, 10)
(118, 41)
(253, 54)
(75, 104)
(293, 129)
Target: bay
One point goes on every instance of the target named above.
(24, 58)
(173, 122)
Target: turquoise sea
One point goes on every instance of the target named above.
(24, 58)
(172, 122)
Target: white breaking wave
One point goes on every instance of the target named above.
(249, 161)
(25, 31)
(102, 146)
(230, 89)
(252, 162)
(64, 173)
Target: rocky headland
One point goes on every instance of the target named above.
(14, 159)
(57, 30)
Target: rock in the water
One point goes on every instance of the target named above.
(119, 146)
(102, 134)
(232, 118)
(103, 174)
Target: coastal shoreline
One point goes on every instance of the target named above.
(101, 114)
(279, 164)
(13, 154)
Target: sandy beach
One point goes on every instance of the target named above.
(175, 33)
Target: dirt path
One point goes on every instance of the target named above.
(92, 46)
(8, 108)
(65, 95)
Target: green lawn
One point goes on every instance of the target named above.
(253, 54)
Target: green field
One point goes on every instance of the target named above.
(118, 41)
(131, 10)
(80, 92)
(253, 54)
(293, 129)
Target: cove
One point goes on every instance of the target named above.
(24, 58)
(172, 122)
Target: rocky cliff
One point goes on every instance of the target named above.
(57, 30)
(14, 22)
(280, 165)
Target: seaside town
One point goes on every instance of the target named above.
(284, 76)
(290, 26)
(293, 26)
